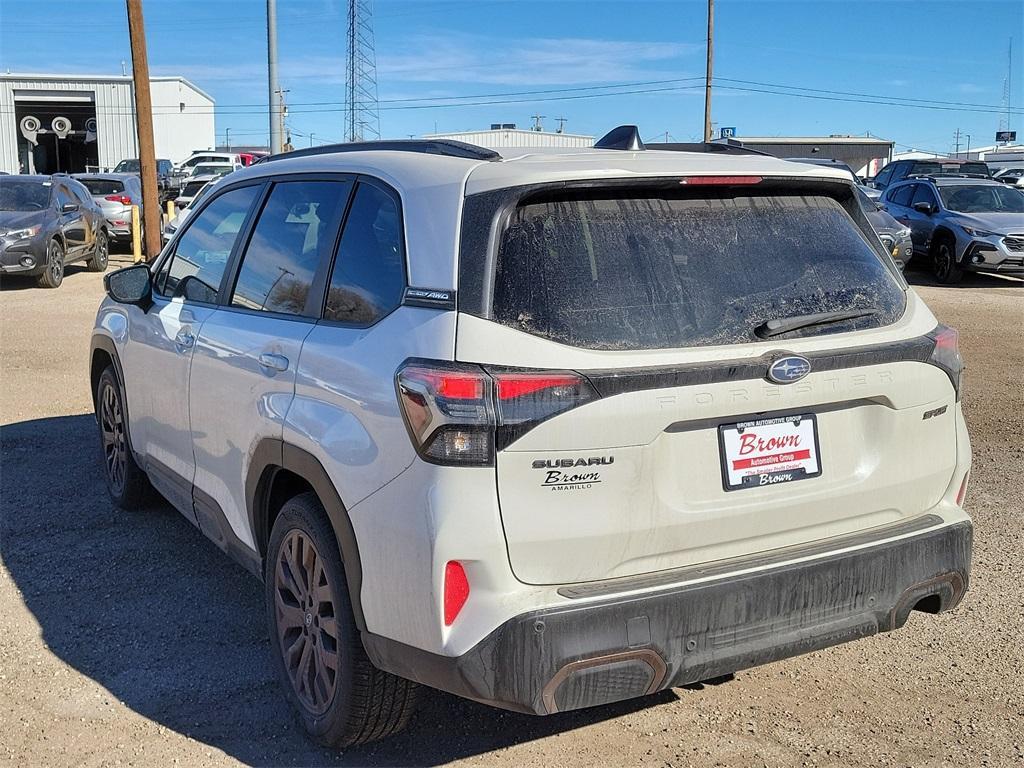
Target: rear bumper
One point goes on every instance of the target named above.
(591, 651)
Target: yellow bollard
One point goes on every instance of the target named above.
(136, 236)
(170, 210)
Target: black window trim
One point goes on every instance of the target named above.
(391, 192)
(313, 310)
(172, 244)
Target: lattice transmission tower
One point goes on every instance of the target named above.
(362, 119)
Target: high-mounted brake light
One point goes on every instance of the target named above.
(461, 414)
(725, 180)
(456, 591)
(946, 355)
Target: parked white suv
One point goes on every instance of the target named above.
(544, 430)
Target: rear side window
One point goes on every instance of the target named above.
(201, 253)
(902, 195)
(369, 270)
(294, 232)
(651, 273)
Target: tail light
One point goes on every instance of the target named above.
(122, 199)
(462, 414)
(946, 355)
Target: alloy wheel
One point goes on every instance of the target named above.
(102, 250)
(943, 261)
(56, 265)
(307, 628)
(115, 445)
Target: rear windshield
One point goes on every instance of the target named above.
(103, 186)
(656, 272)
(939, 168)
(127, 166)
(192, 188)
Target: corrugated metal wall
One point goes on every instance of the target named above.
(517, 138)
(115, 115)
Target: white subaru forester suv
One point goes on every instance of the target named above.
(544, 430)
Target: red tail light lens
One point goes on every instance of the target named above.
(946, 355)
(456, 591)
(122, 199)
(462, 414)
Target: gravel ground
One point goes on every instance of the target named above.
(128, 639)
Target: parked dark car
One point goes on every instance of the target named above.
(895, 236)
(898, 170)
(167, 178)
(47, 222)
(115, 193)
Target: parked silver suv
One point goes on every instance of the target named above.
(962, 224)
(544, 430)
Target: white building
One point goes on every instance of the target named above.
(51, 123)
(497, 138)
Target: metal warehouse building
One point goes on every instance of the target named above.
(73, 123)
(499, 137)
(864, 154)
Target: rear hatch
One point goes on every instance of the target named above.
(698, 430)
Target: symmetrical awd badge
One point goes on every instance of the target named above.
(788, 369)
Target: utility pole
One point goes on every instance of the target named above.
(536, 122)
(272, 86)
(956, 152)
(561, 124)
(311, 135)
(227, 138)
(707, 76)
(968, 146)
(144, 129)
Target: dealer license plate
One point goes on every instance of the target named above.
(769, 451)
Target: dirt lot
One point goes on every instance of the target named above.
(128, 639)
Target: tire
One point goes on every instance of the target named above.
(53, 274)
(944, 265)
(101, 254)
(356, 703)
(127, 484)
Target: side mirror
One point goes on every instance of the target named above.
(923, 207)
(131, 285)
(69, 208)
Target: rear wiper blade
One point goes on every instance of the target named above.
(786, 324)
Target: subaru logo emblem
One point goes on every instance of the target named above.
(788, 369)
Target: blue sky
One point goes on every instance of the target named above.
(436, 49)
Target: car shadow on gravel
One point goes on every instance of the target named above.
(145, 606)
(921, 275)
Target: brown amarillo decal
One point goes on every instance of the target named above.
(558, 479)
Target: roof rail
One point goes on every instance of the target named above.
(707, 146)
(937, 176)
(624, 137)
(446, 147)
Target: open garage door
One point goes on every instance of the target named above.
(56, 133)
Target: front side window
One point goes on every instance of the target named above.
(369, 269)
(924, 194)
(636, 272)
(294, 233)
(201, 254)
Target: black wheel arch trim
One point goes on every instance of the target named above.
(103, 343)
(272, 455)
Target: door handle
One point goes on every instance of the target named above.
(184, 340)
(270, 362)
